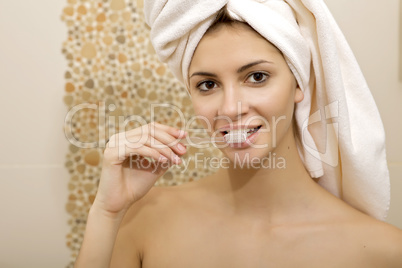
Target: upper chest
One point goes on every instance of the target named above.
(202, 240)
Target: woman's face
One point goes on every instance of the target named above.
(238, 80)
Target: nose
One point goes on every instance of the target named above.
(234, 103)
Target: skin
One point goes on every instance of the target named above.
(238, 217)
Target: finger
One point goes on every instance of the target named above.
(150, 128)
(123, 147)
(154, 137)
(149, 135)
(175, 132)
(163, 139)
(164, 150)
(162, 154)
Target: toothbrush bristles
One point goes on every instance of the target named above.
(236, 137)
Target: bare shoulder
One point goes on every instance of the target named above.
(388, 243)
(361, 240)
(382, 241)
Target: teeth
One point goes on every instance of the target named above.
(239, 135)
(241, 131)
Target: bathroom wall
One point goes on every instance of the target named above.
(33, 179)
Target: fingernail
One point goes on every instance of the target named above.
(181, 147)
(182, 133)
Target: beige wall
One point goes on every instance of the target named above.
(33, 180)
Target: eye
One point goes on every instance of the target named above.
(206, 85)
(257, 78)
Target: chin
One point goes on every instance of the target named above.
(259, 154)
(251, 158)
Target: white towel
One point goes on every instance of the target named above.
(347, 153)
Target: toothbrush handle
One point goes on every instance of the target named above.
(200, 141)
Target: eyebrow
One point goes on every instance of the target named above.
(241, 69)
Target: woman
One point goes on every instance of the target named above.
(247, 214)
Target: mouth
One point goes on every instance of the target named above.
(247, 131)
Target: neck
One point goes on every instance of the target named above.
(275, 189)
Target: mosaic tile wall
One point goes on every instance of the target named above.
(112, 73)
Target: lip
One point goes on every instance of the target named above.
(235, 127)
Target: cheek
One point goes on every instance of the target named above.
(204, 114)
(276, 105)
(199, 109)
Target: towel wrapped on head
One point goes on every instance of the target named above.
(341, 138)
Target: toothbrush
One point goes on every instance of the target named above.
(235, 136)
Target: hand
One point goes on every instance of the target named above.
(132, 163)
